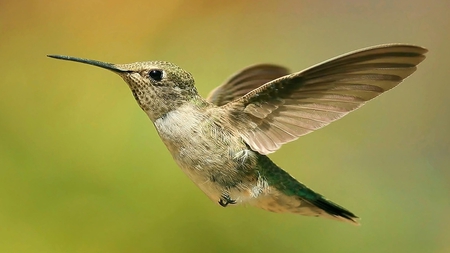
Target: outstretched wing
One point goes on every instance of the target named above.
(297, 104)
(245, 81)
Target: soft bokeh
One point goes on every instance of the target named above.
(83, 170)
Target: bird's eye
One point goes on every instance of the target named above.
(156, 74)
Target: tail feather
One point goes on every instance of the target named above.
(335, 210)
(286, 194)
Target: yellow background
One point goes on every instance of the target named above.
(83, 170)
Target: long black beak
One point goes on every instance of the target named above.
(100, 64)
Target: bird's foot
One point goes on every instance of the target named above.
(225, 200)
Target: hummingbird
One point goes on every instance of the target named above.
(222, 142)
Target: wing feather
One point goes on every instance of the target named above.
(296, 104)
(245, 81)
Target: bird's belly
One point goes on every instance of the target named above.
(217, 169)
(219, 162)
(212, 168)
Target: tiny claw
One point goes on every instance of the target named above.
(223, 203)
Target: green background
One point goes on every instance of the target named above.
(82, 169)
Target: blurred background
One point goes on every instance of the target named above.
(82, 168)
